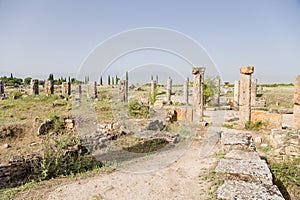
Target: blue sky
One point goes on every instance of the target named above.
(42, 37)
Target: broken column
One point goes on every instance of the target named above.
(198, 95)
(186, 91)
(153, 89)
(236, 95)
(92, 90)
(1, 87)
(49, 87)
(169, 90)
(78, 92)
(245, 94)
(216, 97)
(253, 91)
(123, 90)
(297, 103)
(66, 88)
(34, 87)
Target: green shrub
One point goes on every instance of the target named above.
(138, 110)
(255, 126)
(16, 94)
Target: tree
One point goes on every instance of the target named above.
(27, 80)
(50, 77)
(108, 80)
(11, 76)
(101, 81)
(117, 79)
(112, 81)
(127, 76)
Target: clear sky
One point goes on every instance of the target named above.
(55, 36)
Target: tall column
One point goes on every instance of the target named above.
(245, 94)
(216, 97)
(253, 91)
(66, 88)
(34, 87)
(198, 96)
(186, 91)
(153, 89)
(78, 92)
(169, 90)
(123, 90)
(49, 87)
(297, 103)
(1, 87)
(236, 95)
(92, 90)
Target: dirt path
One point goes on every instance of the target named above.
(178, 181)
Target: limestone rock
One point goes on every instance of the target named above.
(242, 155)
(45, 127)
(240, 190)
(156, 125)
(247, 70)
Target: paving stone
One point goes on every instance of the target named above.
(242, 155)
(241, 190)
(250, 170)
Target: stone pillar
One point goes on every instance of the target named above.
(1, 87)
(153, 89)
(297, 103)
(123, 90)
(216, 97)
(245, 94)
(198, 96)
(66, 88)
(253, 91)
(92, 90)
(34, 87)
(236, 95)
(169, 90)
(49, 87)
(186, 91)
(156, 79)
(78, 92)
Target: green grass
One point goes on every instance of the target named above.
(256, 126)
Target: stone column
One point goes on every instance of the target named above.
(78, 92)
(34, 87)
(92, 90)
(216, 97)
(1, 87)
(236, 95)
(297, 103)
(245, 94)
(169, 90)
(186, 91)
(49, 87)
(66, 88)
(153, 89)
(253, 91)
(123, 90)
(198, 96)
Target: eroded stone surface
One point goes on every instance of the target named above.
(245, 94)
(241, 190)
(272, 120)
(246, 70)
(242, 155)
(250, 170)
(34, 87)
(235, 140)
(297, 102)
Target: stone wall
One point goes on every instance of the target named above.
(19, 170)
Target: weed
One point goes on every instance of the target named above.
(138, 110)
(256, 126)
(220, 155)
(266, 148)
(230, 126)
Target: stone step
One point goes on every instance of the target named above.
(248, 170)
(237, 140)
(241, 190)
(242, 155)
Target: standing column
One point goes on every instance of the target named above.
(1, 87)
(236, 95)
(253, 91)
(123, 90)
(245, 94)
(34, 87)
(92, 90)
(49, 87)
(169, 90)
(66, 88)
(78, 92)
(186, 91)
(297, 103)
(198, 97)
(126, 90)
(153, 89)
(216, 97)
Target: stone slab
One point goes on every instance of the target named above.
(235, 138)
(250, 170)
(241, 190)
(242, 155)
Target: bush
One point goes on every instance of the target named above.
(138, 110)
(255, 126)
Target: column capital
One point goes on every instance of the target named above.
(246, 69)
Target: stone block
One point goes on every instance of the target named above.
(247, 70)
(233, 140)
(241, 190)
(242, 155)
(250, 170)
(297, 90)
(273, 120)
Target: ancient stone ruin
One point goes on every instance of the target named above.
(198, 97)
(34, 87)
(92, 90)
(1, 87)
(123, 90)
(297, 103)
(49, 87)
(245, 93)
(66, 88)
(186, 91)
(169, 90)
